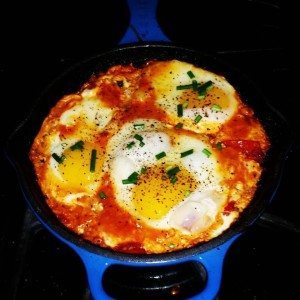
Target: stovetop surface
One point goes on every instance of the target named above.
(253, 36)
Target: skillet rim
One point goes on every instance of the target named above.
(248, 216)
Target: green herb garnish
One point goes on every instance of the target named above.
(77, 146)
(173, 179)
(206, 152)
(172, 172)
(186, 153)
(140, 139)
(203, 88)
(185, 104)
(184, 87)
(139, 126)
(179, 125)
(160, 155)
(132, 179)
(143, 170)
(179, 110)
(93, 160)
(102, 195)
(191, 74)
(198, 119)
(187, 193)
(194, 85)
(58, 158)
(216, 107)
(130, 145)
(219, 146)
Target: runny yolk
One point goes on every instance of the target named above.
(155, 194)
(75, 169)
(214, 95)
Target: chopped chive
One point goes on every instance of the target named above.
(184, 87)
(133, 176)
(102, 195)
(130, 145)
(138, 137)
(203, 88)
(143, 170)
(58, 158)
(173, 179)
(219, 146)
(179, 110)
(172, 172)
(185, 104)
(186, 153)
(93, 160)
(206, 152)
(127, 181)
(132, 179)
(191, 74)
(179, 125)
(160, 155)
(77, 146)
(198, 119)
(168, 168)
(194, 85)
(187, 193)
(216, 107)
(139, 126)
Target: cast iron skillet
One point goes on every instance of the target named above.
(209, 255)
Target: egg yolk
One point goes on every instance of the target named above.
(155, 194)
(75, 168)
(214, 95)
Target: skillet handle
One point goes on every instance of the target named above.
(95, 266)
(143, 24)
(212, 261)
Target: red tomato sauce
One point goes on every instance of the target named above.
(242, 138)
(110, 94)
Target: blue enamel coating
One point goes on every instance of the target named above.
(212, 261)
(143, 24)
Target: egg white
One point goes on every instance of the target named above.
(89, 116)
(91, 111)
(174, 73)
(205, 200)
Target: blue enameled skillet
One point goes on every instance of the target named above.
(210, 254)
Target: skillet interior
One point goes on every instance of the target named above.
(274, 123)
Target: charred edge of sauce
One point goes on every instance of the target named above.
(131, 247)
(229, 207)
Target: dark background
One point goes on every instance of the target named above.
(39, 41)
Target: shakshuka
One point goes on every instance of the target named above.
(151, 159)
